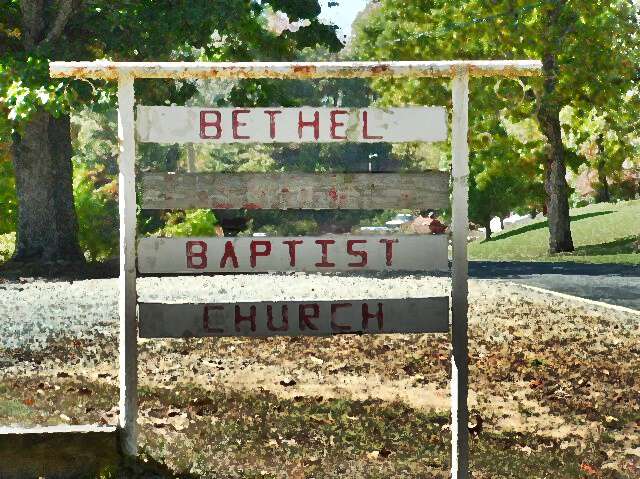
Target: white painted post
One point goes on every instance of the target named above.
(127, 282)
(459, 287)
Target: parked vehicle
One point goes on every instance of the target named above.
(399, 220)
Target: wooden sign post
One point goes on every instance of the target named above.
(280, 191)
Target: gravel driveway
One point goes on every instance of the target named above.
(34, 311)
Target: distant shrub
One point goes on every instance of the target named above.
(95, 197)
(8, 199)
(7, 245)
(190, 223)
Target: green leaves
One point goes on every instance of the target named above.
(140, 30)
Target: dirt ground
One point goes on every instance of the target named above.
(555, 389)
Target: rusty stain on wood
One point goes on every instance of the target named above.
(108, 70)
(281, 191)
(300, 318)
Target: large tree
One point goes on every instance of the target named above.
(588, 51)
(32, 32)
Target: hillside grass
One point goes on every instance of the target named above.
(602, 233)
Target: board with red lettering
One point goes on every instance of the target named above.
(359, 191)
(302, 318)
(176, 124)
(302, 253)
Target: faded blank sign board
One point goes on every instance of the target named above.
(326, 253)
(353, 191)
(174, 124)
(302, 318)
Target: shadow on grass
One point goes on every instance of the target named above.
(147, 468)
(619, 246)
(542, 224)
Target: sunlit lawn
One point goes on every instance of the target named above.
(602, 233)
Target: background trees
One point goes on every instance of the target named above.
(588, 49)
(34, 31)
(525, 133)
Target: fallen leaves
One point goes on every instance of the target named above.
(288, 382)
(589, 469)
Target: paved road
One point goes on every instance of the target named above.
(613, 284)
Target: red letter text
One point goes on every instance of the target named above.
(335, 124)
(365, 128)
(292, 250)
(366, 316)
(335, 327)
(304, 317)
(272, 121)
(204, 124)
(315, 124)
(205, 319)
(255, 253)
(229, 252)
(251, 318)
(324, 243)
(389, 249)
(235, 123)
(285, 318)
(202, 254)
(362, 254)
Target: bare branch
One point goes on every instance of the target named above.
(65, 9)
(32, 22)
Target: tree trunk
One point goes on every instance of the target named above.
(47, 223)
(603, 195)
(555, 183)
(487, 230)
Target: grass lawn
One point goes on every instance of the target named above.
(602, 233)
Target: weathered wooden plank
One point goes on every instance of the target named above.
(326, 253)
(302, 318)
(360, 191)
(178, 124)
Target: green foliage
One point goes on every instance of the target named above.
(7, 245)
(380, 218)
(590, 49)
(144, 30)
(97, 209)
(190, 223)
(8, 200)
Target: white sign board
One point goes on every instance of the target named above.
(303, 253)
(176, 124)
(303, 318)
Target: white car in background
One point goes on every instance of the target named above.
(399, 220)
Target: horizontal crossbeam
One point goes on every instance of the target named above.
(109, 70)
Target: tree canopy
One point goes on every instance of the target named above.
(589, 52)
(32, 32)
